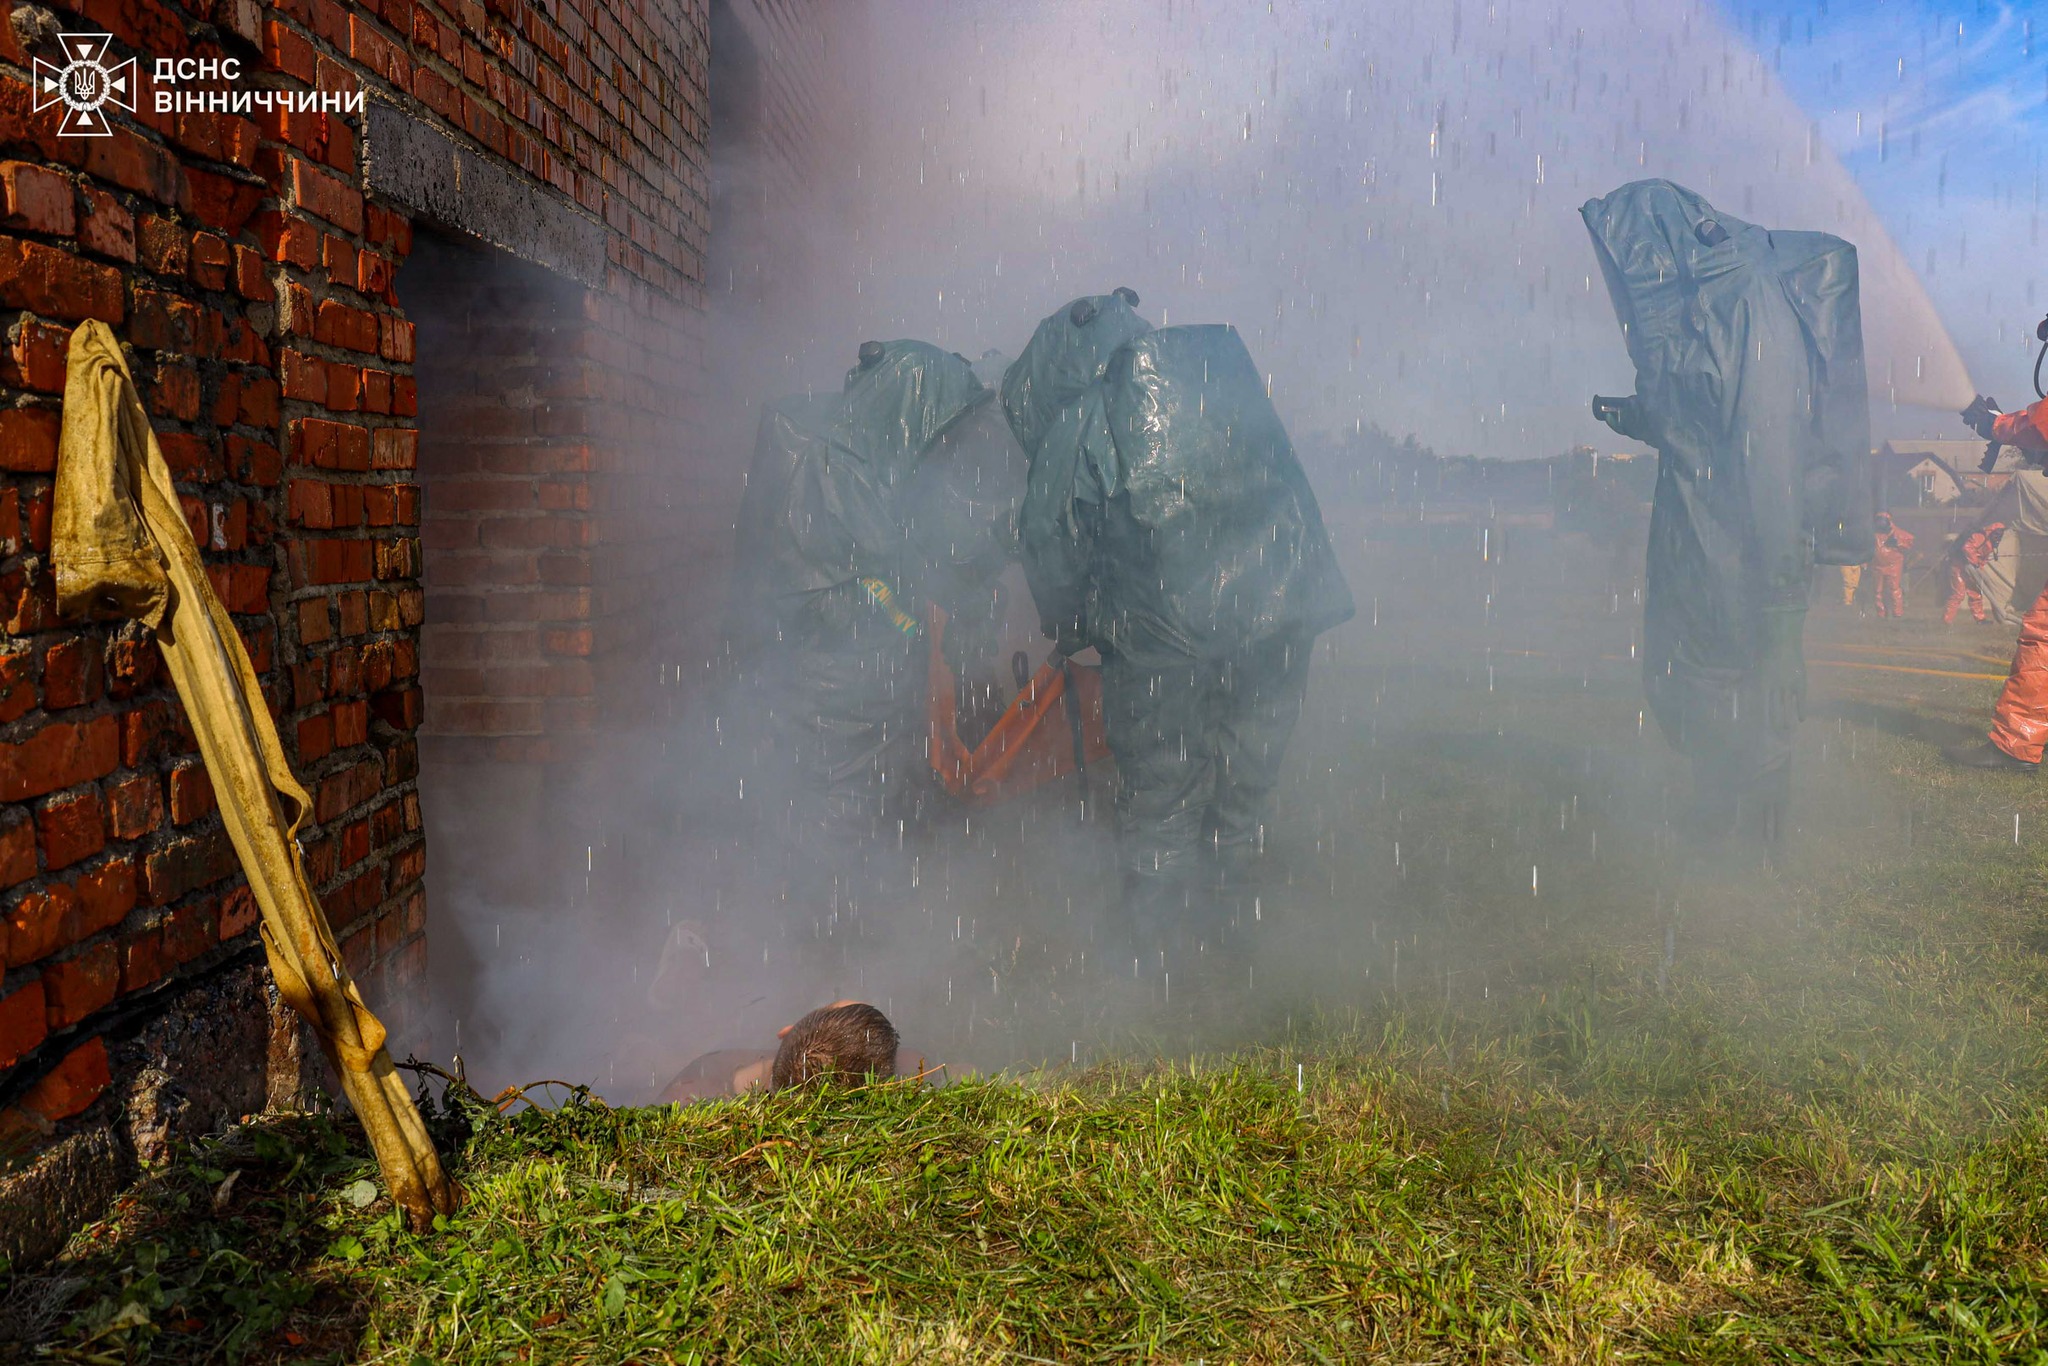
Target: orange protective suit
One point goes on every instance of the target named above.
(2019, 723)
(1975, 552)
(1888, 562)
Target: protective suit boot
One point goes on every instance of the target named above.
(1987, 757)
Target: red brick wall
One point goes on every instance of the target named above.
(240, 261)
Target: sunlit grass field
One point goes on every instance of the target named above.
(1552, 1083)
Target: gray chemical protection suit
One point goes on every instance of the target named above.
(1167, 523)
(1748, 348)
(847, 529)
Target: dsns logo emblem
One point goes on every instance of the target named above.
(85, 84)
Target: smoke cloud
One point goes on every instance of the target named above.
(1384, 200)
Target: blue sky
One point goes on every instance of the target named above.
(1940, 110)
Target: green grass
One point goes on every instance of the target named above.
(1810, 1129)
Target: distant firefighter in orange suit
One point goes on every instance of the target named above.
(2019, 720)
(1887, 563)
(1973, 552)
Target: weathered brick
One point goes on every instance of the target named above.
(409, 867)
(70, 828)
(58, 284)
(346, 505)
(288, 240)
(163, 321)
(324, 560)
(185, 864)
(71, 674)
(244, 589)
(351, 723)
(395, 339)
(135, 806)
(41, 922)
(106, 228)
(191, 930)
(390, 929)
(75, 987)
(17, 683)
(315, 623)
(162, 246)
(35, 360)
(210, 261)
(330, 445)
(287, 51)
(309, 503)
(134, 164)
(376, 392)
(37, 199)
(61, 754)
(142, 959)
(359, 952)
(175, 392)
(395, 448)
(345, 671)
(238, 913)
(106, 893)
(315, 737)
(251, 280)
(192, 457)
(344, 387)
(70, 1087)
(28, 603)
(255, 462)
(145, 734)
(17, 852)
(191, 793)
(22, 1023)
(355, 612)
(219, 201)
(28, 440)
(131, 666)
(326, 195)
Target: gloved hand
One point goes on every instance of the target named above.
(1979, 416)
(1624, 415)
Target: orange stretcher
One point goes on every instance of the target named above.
(1031, 743)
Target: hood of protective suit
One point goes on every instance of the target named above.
(1218, 535)
(1065, 355)
(1748, 348)
(900, 401)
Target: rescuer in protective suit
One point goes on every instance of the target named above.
(1888, 564)
(1748, 350)
(2019, 719)
(1168, 524)
(1970, 554)
(856, 514)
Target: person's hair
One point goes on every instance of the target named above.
(842, 1044)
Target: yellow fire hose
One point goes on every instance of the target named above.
(122, 549)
